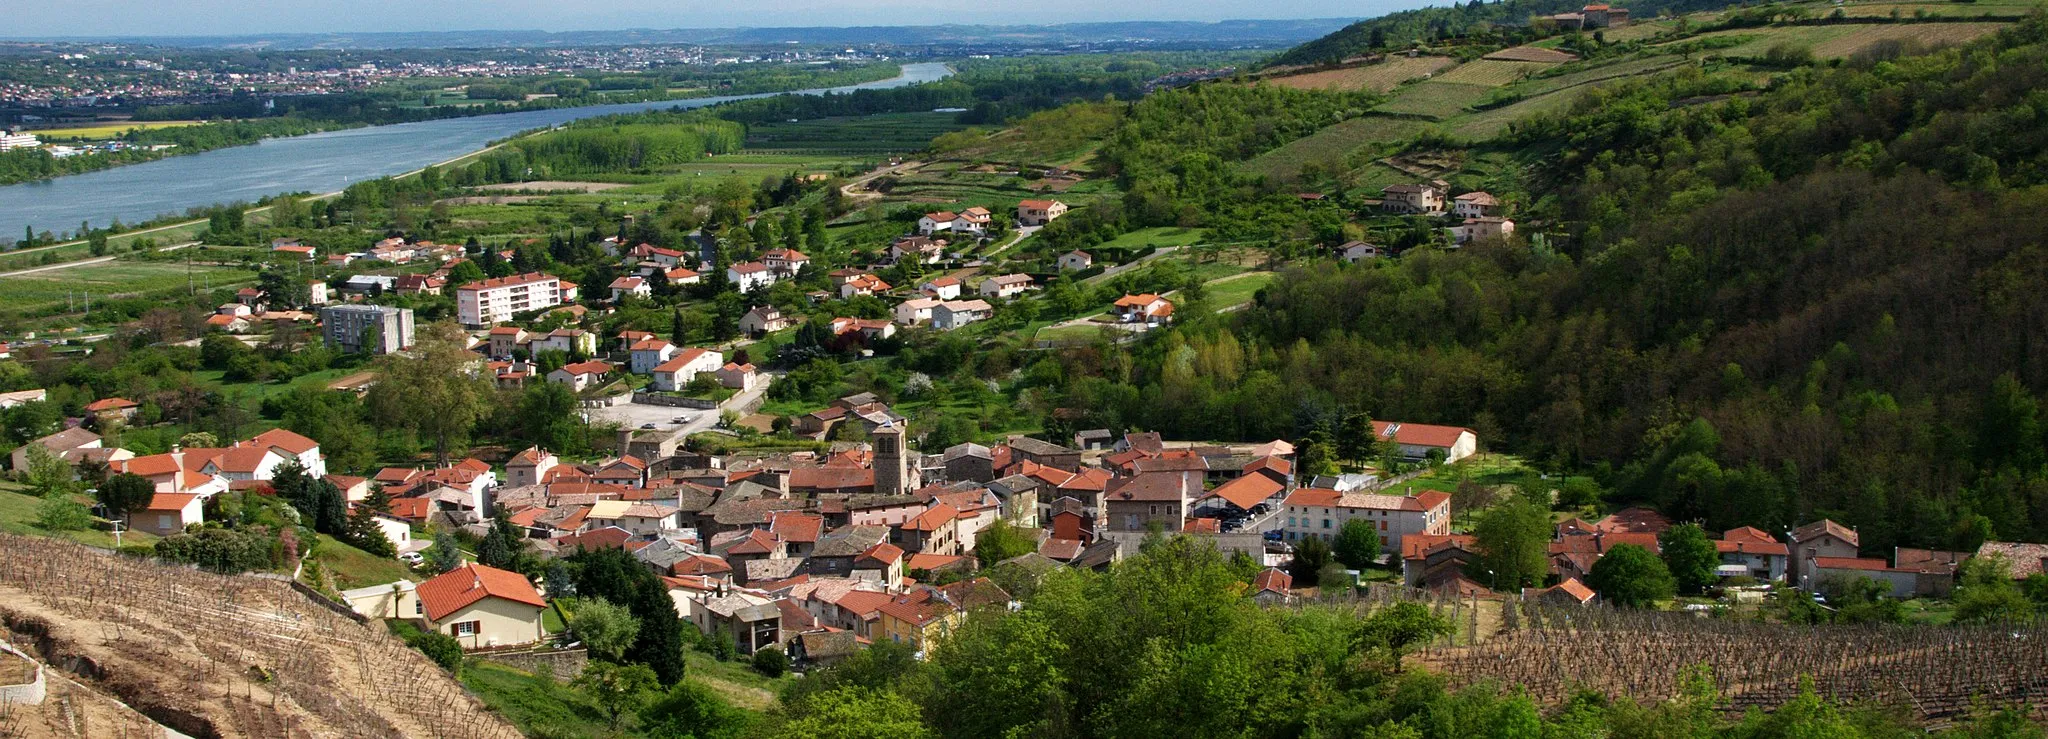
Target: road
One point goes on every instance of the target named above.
(851, 189)
(1128, 266)
(82, 262)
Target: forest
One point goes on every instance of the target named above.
(1743, 326)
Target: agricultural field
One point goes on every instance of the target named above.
(1438, 100)
(107, 130)
(1492, 73)
(1834, 42)
(1332, 144)
(1533, 54)
(1378, 77)
(111, 279)
(893, 133)
(1236, 290)
(1638, 30)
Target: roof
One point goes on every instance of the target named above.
(592, 367)
(748, 268)
(1039, 204)
(459, 588)
(831, 478)
(514, 280)
(169, 501)
(1327, 498)
(2021, 559)
(242, 459)
(1478, 198)
(1572, 587)
(1850, 563)
(1749, 540)
(1167, 486)
(1137, 301)
(882, 554)
(1420, 434)
(1247, 491)
(1825, 527)
(932, 518)
(283, 439)
(109, 404)
(1420, 546)
(1272, 580)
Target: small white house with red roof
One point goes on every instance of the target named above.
(482, 607)
(1147, 308)
(676, 373)
(1417, 440)
(580, 376)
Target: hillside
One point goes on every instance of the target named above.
(227, 656)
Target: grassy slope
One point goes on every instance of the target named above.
(348, 567)
(18, 516)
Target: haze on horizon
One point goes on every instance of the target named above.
(90, 18)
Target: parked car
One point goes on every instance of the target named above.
(646, 426)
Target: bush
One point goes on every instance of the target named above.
(771, 662)
(443, 649)
(61, 514)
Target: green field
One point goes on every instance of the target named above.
(112, 279)
(1331, 145)
(348, 567)
(108, 130)
(1834, 42)
(1236, 290)
(1435, 99)
(865, 135)
(18, 516)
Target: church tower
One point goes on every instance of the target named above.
(892, 468)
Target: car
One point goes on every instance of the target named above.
(1262, 507)
(411, 558)
(1276, 535)
(681, 419)
(646, 426)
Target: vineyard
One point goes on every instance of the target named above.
(1379, 77)
(1491, 73)
(1555, 652)
(230, 656)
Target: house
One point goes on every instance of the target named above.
(649, 354)
(676, 373)
(2021, 560)
(419, 285)
(229, 323)
(1428, 560)
(635, 287)
(70, 445)
(747, 277)
(1039, 212)
(1754, 552)
(168, 513)
(1419, 441)
(1273, 586)
(682, 276)
(1359, 251)
(784, 262)
(1570, 592)
(570, 341)
(580, 376)
(1823, 538)
(529, 467)
(918, 249)
(111, 410)
(483, 607)
(497, 300)
(864, 284)
(926, 615)
(1322, 513)
(1475, 205)
(953, 314)
(752, 621)
(860, 331)
(1005, 286)
(970, 221)
(1148, 309)
(935, 531)
(1477, 229)
(1076, 260)
(741, 377)
(503, 340)
(1914, 572)
(18, 397)
(764, 319)
(1422, 199)
(915, 311)
(1163, 498)
(942, 288)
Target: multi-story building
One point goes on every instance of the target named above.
(495, 300)
(377, 329)
(12, 141)
(1321, 513)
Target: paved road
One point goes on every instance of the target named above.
(1130, 265)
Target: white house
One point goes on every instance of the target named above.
(1321, 513)
(580, 376)
(1417, 440)
(953, 314)
(915, 311)
(942, 288)
(630, 287)
(1076, 259)
(1039, 212)
(741, 377)
(293, 447)
(863, 284)
(917, 249)
(1147, 309)
(1423, 199)
(168, 513)
(495, 300)
(1474, 229)
(483, 607)
(1475, 205)
(764, 319)
(529, 467)
(1005, 286)
(1358, 251)
(566, 340)
(784, 262)
(651, 353)
(749, 276)
(676, 373)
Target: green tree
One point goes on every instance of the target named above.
(443, 556)
(617, 689)
(1691, 557)
(502, 545)
(47, 474)
(1631, 577)
(855, 713)
(1311, 554)
(61, 513)
(1357, 544)
(1986, 593)
(124, 494)
(435, 390)
(1000, 541)
(614, 575)
(771, 661)
(1513, 539)
(550, 416)
(1397, 628)
(606, 629)
(692, 711)
(443, 649)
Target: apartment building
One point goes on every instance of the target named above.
(495, 300)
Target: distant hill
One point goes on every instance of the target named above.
(1269, 33)
(1398, 30)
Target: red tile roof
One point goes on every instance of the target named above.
(1850, 563)
(932, 518)
(1749, 540)
(110, 404)
(1421, 434)
(169, 502)
(1272, 580)
(831, 478)
(1247, 491)
(457, 589)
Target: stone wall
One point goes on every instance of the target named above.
(565, 664)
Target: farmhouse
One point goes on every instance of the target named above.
(1418, 441)
(483, 607)
(1039, 212)
(1421, 199)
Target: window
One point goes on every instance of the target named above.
(419, 607)
(1326, 523)
(466, 628)
(1383, 526)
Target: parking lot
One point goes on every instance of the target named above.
(635, 415)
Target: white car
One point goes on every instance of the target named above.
(411, 558)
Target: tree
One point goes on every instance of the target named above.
(1398, 627)
(1310, 555)
(47, 474)
(1358, 543)
(606, 630)
(550, 416)
(1513, 540)
(1691, 557)
(771, 661)
(436, 390)
(443, 556)
(691, 711)
(855, 713)
(1631, 577)
(443, 649)
(1986, 593)
(614, 575)
(1000, 541)
(124, 494)
(501, 547)
(618, 689)
(60, 513)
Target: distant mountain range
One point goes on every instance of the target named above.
(1181, 33)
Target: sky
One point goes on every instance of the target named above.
(225, 17)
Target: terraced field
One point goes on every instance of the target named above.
(1380, 77)
(1439, 100)
(1492, 73)
(1332, 144)
(1834, 42)
(874, 134)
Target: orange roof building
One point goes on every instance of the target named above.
(483, 606)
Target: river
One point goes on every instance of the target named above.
(321, 162)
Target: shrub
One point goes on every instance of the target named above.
(771, 662)
(443, 649)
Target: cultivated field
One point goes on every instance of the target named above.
(110, 279)
(228, 656)
(1831, 42)
(108, 130)
(1532, 54)
(554, 186)
(1435, 99)
(1380, 77)
(1491, 73)
(864, 135)
(1331, 145)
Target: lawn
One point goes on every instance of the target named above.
(537, 704)
(1156, 236)
(736, 681)
(112, 279)
(18, 516)
(1236, 290)
(348, 567)
(1378, 77)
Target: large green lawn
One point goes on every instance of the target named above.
(112, 279)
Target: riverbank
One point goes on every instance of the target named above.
(323, 162)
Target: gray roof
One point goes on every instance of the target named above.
(1030, 445)
(663, 553)
(849, 541)
(968, 449)
(772, 569)
(825, 644)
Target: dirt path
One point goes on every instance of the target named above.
(853, 189)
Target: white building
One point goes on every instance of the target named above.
(915, 311)
(1005, 286)
(676, 373)
(953, 314)
(12, 141)
(496, 300)
(1417, 440)
(1321, 513)
(747, 277)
